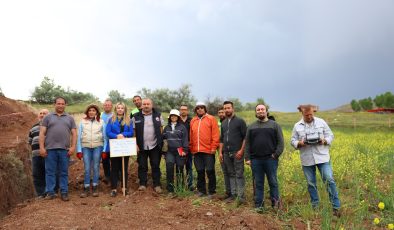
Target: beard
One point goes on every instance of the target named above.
(261, 117)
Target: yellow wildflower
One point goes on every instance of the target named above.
(390, 226)
(376, 221)
(381, 205)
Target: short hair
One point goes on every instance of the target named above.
(108, 99)
(220, 108)
(228, 102)
(184, 105)
(307, 107)
(266, 107)
(137, 96)
(60, 97)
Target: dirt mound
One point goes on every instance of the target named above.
(16, 119)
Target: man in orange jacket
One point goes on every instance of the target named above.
(204, 140)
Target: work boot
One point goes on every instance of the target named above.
(95, 192)
(85, 192)
(64, 197)
(142, 188)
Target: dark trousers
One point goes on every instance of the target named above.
(260, 169)
(226, 179)
(205, 163)
(116, 169)
(154, 160)
(173, 159)
(106, 167)
(189, 170)
(38, 168)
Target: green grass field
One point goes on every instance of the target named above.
(362, 157)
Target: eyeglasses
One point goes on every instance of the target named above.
(199, 107)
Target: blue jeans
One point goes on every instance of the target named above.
(56, 162)
(328, 179)
(38, 168)
(260, 168)
(91, 159)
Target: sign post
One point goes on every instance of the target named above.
(123, 148)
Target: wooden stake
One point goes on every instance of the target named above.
(123, 177)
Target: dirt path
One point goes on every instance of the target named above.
(139, 210)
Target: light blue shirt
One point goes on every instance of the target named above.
(312, 154)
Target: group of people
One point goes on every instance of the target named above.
(182, 141)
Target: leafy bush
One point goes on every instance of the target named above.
(48, 91)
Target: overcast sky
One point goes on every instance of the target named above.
(288, 52)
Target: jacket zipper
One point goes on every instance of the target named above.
(198, 134)
(228, 131)
(91, 134)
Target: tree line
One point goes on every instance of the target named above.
(164, 99)
(385, 100)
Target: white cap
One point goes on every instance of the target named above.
(200, 103)
(174, 112)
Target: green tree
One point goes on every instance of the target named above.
(116, 96)
(237, 104)
(366, 103)
(355, 105)
(165, 99)
(385, 100)
(48, 90)
(213, 105)
(250, 106)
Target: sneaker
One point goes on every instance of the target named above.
(225, 196)
(277, 204)
(259, 209)
(229, 199)
(85, 192)
(142, 188)
(200, 194)
(95, 192)
(64, 197)
(158, 189)
(40, 197)
(113, 193)
(50, 197)
(336, 213)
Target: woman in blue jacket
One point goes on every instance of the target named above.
(176, 136)
(118, 127)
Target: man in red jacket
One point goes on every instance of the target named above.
(204, 140)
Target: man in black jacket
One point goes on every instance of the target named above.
(231, 152)
(148, 126)
(185, 120)
(263, 146)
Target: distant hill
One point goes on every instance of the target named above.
(347, 108)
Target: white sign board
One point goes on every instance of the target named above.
(123, 147)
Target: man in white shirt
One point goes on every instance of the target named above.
(312, 136)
